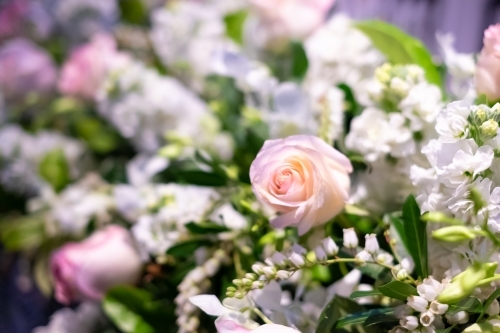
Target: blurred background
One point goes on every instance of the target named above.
(22, 307)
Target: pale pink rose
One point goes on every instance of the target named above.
(229, 326)
(86, 270)
(88, 66)
(303, 178)
(487, 76)
(25, 68)
(294, 19)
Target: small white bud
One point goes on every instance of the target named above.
(426, 318)
(330, 247)
(283, 275)
(427, 291)
(257, 285)
(269, 262)
(211, 266)
(460, 317)
(385, 259)
(494, 308)
(247, 282)
(417, 303)
(320, 253)
(269, 272)
(297, 260)
(279, 259)
(371, 243)
(402, 275)
(299, 249)
(258, 269)
(197, 275)
(409, 322)
(438, 308)
(350, 238)
(364, 256)
(251, 276)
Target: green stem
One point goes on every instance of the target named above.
(262, 316)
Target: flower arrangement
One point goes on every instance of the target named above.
(248, 166)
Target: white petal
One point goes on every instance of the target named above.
(209, 304)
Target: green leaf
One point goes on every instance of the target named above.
(201, 178)
(488, 302)
(187, 247)
(334, 310)
(300, 63)
(416, 235)
(380, 318)
(206, 228)
(234, 25)
(98, 137)
(397, 289)
(361, 293)
(132, 11)
(123, 305)
(481, 328)
(25, 233)
(54, 169)
(361, 317)
(399, 47)
(469, 304)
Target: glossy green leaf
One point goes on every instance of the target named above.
(187, 247)
(398, 290)
(416, 235)
(54, 169)
(469, 304)
(201, 178)
(300, 63)
(399, 47)
(361, 317)
(334, 311)
(367, 293)
(379, 318)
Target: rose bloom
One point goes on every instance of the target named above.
(88, 66)
(86, 270)
(294, 19)
(487, 76)
(302, 177)
(229, 326)
(25, 68)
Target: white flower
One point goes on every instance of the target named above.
(297, 260)
(87, 317)
(418, 303)
(438, 308)
(350, 238)
(330, 247)
(371, 243)
(421, 105)
(409, 322)
(320, 253)
(452, 122)
(494, 308)
(364, 256)
(427, 318)
(460, 317)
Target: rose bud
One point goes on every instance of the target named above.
(86, 270)
(303, 178)
(487, 76)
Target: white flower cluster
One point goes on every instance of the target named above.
(185, 34)
(147, 108)
(390, 135)
(87, 317)
(339, 53)
(196, 282)
(21, 154)
(71, 211)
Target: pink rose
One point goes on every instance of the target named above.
(88, 66)
(294, 19)
(302, 177)
(25, 68)
(229, 326)
(487, 77)
(86, 270)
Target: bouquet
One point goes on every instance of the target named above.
(248, 166)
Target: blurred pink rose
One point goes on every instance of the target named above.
(86, 270)
(294, 19)
(230, 326)
(302, 177)
(88, 66)
(25, 68)
(487, 77)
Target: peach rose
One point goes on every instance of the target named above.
(487, 76)
(303, 178)
(86, 270)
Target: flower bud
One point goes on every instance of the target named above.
(258, 269)
(257, 285)
(320, 253)
(269, 272)
(231, 288)
(330, 247)
(296, 248)
(409, 322)
(460, 317)
(364, 256)
(371, 243)
(438, 308)
(246, 282)
(385, 259)
(402, 275)
(297, 260)
(350, 238)
(283, 275)
(494, 308)
(251, 276)
(454, 234)
(279, 259)
(239, 295)
(417, 303)
(427, 291)
(211, 266)
(489, 129)
(237, 282)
